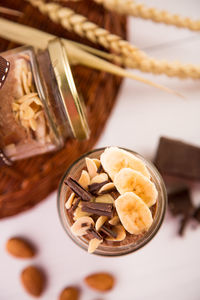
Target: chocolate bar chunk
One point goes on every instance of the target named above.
(108, 231)
(78, 189)
(100, 209)
(178, 159)
(179, 203)
(95, 187)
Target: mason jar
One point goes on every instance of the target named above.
(116, 248)
(40, 107)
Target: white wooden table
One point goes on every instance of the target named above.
(168, 267)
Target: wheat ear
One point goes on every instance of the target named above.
(130, 56)
(130, 7)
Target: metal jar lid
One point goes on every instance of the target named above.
(71, 101)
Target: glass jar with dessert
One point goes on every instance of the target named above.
(111, 201)
(40, 107)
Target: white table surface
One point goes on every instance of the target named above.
(168, 267)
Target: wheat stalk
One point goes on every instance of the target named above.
(131, 8)
(131, 56)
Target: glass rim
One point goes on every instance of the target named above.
(148, 236)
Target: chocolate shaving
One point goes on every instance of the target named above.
(75, 205)
(78, 189)
(95, 187)
(100, 209)
(100, 169)
(94, 233)
(108, 231)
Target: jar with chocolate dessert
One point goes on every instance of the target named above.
(111, 201)
(40, 107)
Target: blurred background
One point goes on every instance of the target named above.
(166, 268)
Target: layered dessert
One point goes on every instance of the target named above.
(112, 200)
(24, 129)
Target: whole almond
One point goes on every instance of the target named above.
(20, 248)
(70, 293)
(33, 280)
(101, 282)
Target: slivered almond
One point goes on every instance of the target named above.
(107, 187)
(93, 245)
(29, 79)
(28, 113)
(114, 220)
(91, 166)
(99, 178)
(97, 162)
(106, 198)
(121, 234)
(25, 97)
(100, 221)
(15, 106)
(70, 200)
(81, 226)
(79, 213)
(25, 82)
(33, 124)
(84, 179)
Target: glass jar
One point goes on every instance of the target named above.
(63, 193)
(39, 104)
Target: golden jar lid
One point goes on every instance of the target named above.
(73, 105)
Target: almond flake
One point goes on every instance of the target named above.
(107, 187)
(33, 124)
(107, 198)
(81, 226)
(100, 221)
(97, 162)
(114, 220)
(84, 179)
(25, 82)
(93, 245)
(91, 166)
(99, 178)
(79, 213)
(69, 202)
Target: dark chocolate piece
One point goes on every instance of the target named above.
(100, 169)
(179, 202)
(100, 209)
(84, 224)
(197, 214)
(95, 187)
(108, 231)
(178, 159)
(75, 205)
(94, 233)
(78, 189)
(183, 224)
(108, 191)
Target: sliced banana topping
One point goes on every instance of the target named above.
(70, 200)
(106, 188)
(114, 159)
(99, 178)
(106, 198)
(84, 179)
(121, 234)
(81, 226)
(128, 180)
(93, 245)
(100, 221)
(91, 166)
(134, 214)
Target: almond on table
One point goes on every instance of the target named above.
(33, 280)
(102, 282)
(20, 248)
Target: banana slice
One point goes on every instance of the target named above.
(128, 180)
(134, 214)
(113, 159)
